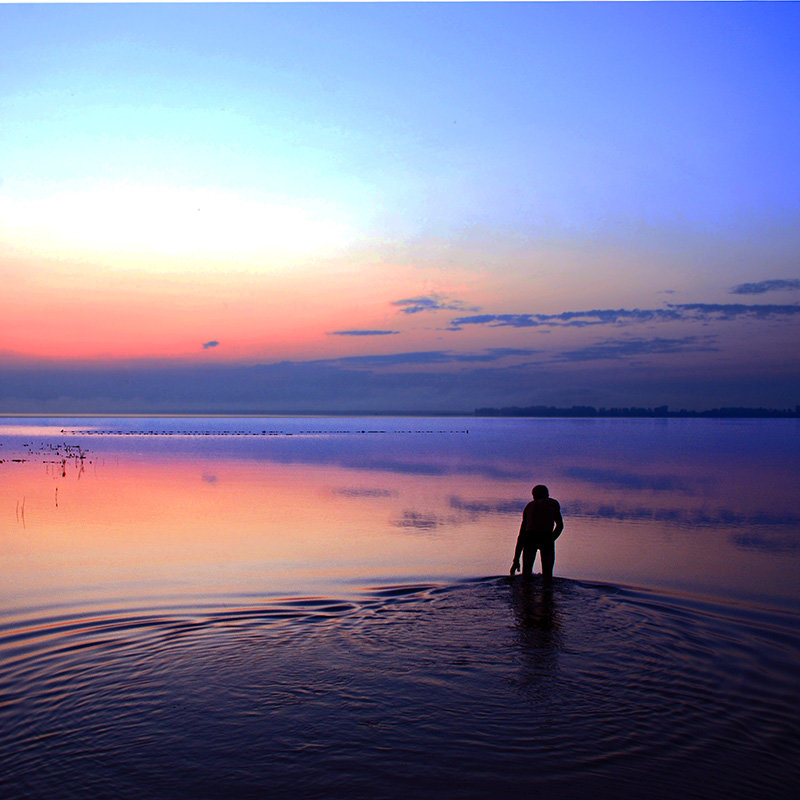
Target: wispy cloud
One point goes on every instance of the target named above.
(735, 310)
(760, 287)
(425, 357)
(670, 313)
(495, 321)
(571, 319)
(356, 332)
(209, 345)
(628, 348)
(356, 492)
(431, 302)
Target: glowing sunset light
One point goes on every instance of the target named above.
(145, 223)
(402, 205)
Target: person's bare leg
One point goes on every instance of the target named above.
(548, 562)
(528, 557)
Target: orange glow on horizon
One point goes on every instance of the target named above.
(67, 311)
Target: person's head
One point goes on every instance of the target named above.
(540, 492)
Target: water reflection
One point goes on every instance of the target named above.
(208, 591)
(706, 506)
(536, 631)
(534, 606)
(514, 689)
(420, 521)
(778, 542)
(479, 508)
(627, 480)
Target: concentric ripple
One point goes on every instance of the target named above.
(464, 690)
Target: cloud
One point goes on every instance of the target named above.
(569, 319)
(496, 321)
(777, 285)
(726, 311)
(626, 348)
(425, 357)
(411, 386)
(209, 345)
(670, 313)
(361, 493)
(356, 332)
(431, 302)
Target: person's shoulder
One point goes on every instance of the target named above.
(555, 503)
(528, 507)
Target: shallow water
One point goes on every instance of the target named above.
(465, 689)
(251, 608)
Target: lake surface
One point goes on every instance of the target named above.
(242, 607)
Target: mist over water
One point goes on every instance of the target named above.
(251, 607)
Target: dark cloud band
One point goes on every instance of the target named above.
(671, 313)
(431, 302)
(363, 333)
(425, 357)
(760, 287)
(631, 348)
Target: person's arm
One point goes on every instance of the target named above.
(517, 549)
(559, 523)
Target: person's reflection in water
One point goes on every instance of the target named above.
(534, 607)
(541, 526)
(537, 632)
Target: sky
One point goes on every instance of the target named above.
(398, 206)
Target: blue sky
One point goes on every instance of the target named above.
(313, 184)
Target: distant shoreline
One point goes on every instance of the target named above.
(658, 412)
(586, 412)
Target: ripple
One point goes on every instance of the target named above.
(420, 690)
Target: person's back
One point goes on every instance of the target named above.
(540, 515)
(541, 526)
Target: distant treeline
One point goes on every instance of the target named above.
(658, 411)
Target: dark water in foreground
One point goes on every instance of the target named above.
(462, 690)
(229, 608)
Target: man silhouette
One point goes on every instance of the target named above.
(541, 526)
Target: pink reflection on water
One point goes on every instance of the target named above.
(162, 522)
(223, 525)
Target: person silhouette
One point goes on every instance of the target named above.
(541, 526)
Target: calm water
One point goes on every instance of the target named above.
(267, 607)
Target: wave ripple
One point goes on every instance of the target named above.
(464, 690)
